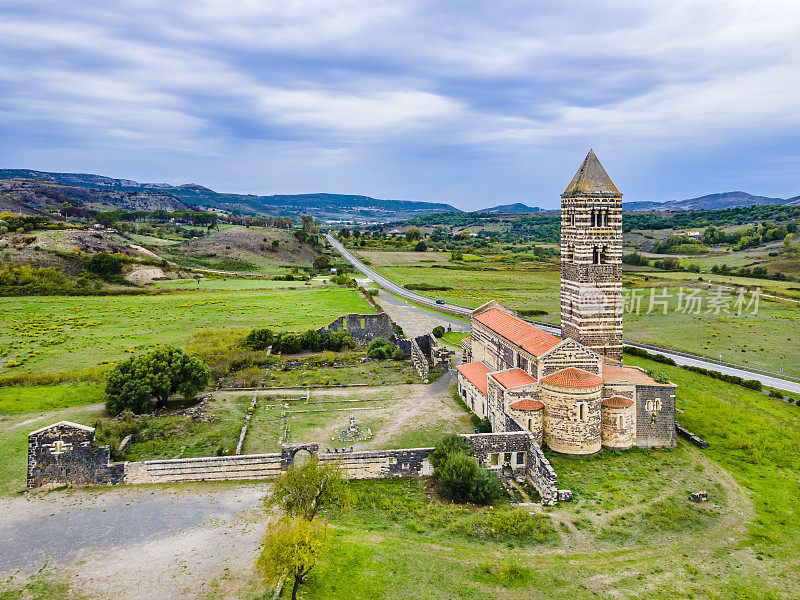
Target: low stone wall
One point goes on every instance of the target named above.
(688, 435)
(65, 453)
(420, 361)
(213, 468)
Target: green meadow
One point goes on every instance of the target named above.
(52, 333)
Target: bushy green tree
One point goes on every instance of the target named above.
(438, 331)
(382, 349)
(413, 234)
(288, 343)
(421, 247)
(142, 383)
(106, 265)
(291, 546)
(303, 490)
(458, 475)
(322, 263)
(310, 340)
(341, 340)
(449, 444)
(259, 339)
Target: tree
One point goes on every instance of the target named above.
(288, 343)
(322, 263)
(413, 234)
(449, 444)
(421, 247)
(304, 490)
(341, 340)
(142, 383)
(106, 265)
(310, 340)
(458, 475)
(259, 339)
(291, 546)
(438, 331)
(344, 233)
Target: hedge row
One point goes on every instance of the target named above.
(752, 384)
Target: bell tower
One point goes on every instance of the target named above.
(591, 260)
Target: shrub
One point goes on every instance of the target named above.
(143, 383)
(382, 349)
(310, 340)
(450, 444)
(438, 331)
(455, 475)
(259, 339)
(288, 343)
(106, 265)
(421, 247)
(340, 340)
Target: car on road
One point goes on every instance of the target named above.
(440, 301)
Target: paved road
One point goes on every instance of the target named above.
(681, 358)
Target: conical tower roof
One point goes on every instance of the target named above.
(591, 179)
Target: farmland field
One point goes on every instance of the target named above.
(52, 333)
(765, 340)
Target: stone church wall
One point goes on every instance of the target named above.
(655, 416)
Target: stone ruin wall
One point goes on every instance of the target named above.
(87, 464)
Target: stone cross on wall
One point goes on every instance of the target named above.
(60, 447)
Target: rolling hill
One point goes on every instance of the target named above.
(127, 193)
(711, 202)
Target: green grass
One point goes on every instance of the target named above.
(381, 373)
(181, 437)
(60, 333)
(18, 399)
(752, 436)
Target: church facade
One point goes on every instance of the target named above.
(571, 392)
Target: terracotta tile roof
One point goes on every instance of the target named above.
(591, 178)
(529, 337)
(475, 372)
(513, 378)
(628, 374)
(617, 402)
(573, 378)
(526, 404)
(466, 340)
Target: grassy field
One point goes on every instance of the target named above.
(53, 333)
(23, 399)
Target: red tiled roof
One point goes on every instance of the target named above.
(617, 402)
(513, 378)
(529, 337)
(475, 372)
(526, 404)
(573, 378)
(466, 340)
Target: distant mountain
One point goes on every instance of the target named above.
(517, 207)
(711, 202)
(120, 193)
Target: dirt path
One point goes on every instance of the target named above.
(158, 542)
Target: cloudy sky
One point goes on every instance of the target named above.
(470, 103)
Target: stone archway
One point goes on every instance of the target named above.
(289, 451)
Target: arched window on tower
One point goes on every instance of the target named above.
(620, 422)
(603, 255)
(596, 256)
(572, 219)
(570, 254)
(582, 411)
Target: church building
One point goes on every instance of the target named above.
(572, 392)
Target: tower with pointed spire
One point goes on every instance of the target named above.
(591, 261)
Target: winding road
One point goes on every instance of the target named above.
(681, 358)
